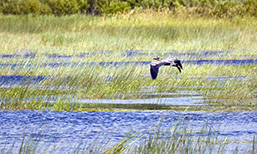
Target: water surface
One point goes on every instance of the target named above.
(68, 129)
(55, 53)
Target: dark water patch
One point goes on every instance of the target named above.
(55, 54)
(70, 128)
(19, 55)
(152, 53)
(20, 79)
(222, 62)
(116, 64)
(27, 53)
(196, 62)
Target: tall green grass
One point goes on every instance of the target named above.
(72, 35)
(153, 32)
(144, 30)
(64, 84)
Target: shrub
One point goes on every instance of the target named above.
(62, 7)
(34, 7)
(115, 7)
(24, 7)
(56, 7)
(216, 8)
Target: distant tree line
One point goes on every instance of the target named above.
(99, 7)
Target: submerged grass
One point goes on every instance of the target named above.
(65, 85)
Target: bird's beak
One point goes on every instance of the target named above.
(179, 66)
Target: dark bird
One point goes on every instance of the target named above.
(171, 61)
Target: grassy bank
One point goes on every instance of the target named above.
(144, 31)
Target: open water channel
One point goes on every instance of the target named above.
(66, 130)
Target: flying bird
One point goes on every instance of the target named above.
(171, 61)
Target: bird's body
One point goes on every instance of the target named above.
(171, 61)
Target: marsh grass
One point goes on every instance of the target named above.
(64, 85)
(143, 30)
(154, 33)
(130, 81)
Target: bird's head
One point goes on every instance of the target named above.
(177, 64)
(156, 58)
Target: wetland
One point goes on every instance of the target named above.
(83, 84)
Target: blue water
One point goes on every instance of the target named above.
(85, 128)
(28, 53)
(23, 79)
(115, 64)
(64, 60)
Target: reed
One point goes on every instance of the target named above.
(66, 51)
(66, 84)
(144, 30)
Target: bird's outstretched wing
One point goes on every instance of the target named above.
(154, 71)
(155, 67)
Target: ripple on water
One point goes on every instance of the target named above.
(89, 127)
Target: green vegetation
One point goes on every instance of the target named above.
(129, 82)
(210, 8)
(140, 31)
(73, 87)
(65, 85)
